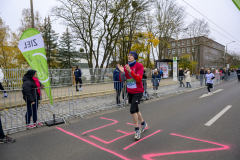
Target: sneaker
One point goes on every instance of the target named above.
(143, 127)
(38, 124)
(209, 92)
(137, 134)
(7, 140)
(30, 126)
(80, 89)
(77, 90)
(212, 87)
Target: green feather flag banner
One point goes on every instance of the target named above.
(31, 45)
(237, 3)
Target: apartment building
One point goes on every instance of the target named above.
(207, 52)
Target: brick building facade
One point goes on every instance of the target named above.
(208, 53)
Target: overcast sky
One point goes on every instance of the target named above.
(222, 12)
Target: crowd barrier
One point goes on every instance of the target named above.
(68, 102)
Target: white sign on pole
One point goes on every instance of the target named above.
(175, 69)
(227, 66)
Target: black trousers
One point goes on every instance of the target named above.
(78, 80)
(238, 77)
(209, 85)
(181, 83)
(161, 76)
(1, 130)
(118, 95)
(1, 87)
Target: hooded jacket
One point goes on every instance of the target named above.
(156, 79)
(116, 77)
(29, 90)
(1, 76)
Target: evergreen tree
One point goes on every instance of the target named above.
(50, 41)
(67, 51)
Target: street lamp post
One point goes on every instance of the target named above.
(32, 15)
(226, 51)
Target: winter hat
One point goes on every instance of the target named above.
(30, 73)
(134, 54)
(117, 68)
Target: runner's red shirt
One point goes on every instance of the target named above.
(134, 79)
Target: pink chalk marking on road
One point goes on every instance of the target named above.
(224, 147)
(107, 142)
(124, 132)
(114, 122)
(141, 140)
(134, 125)
(93, 144)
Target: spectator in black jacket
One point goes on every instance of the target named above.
(31, 94)
(144, 80)
(180, 76)
(202, 76)
(78, 78)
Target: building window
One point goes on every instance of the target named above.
(188, 50)
(183, 43)
(169, 52)
(193, 50)
(193, 41)
(183, 50)
(173, 44)
(188, 41)
(179, 43)
(178, 51)
(173, 51)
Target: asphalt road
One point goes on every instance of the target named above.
(177, 131)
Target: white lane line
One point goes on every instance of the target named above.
(209, 123)
(206, 95)
(217, 91)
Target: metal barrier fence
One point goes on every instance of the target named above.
(58, 77)
(91, 98)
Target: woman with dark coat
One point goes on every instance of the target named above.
(31, 94)
(156, 79)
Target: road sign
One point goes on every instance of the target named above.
(175, 69)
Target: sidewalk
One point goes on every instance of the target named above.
(16, 99)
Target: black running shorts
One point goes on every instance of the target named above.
(134, 99)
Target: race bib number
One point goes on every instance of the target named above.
(131, 83)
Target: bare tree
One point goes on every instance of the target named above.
(170, 18)
(198, 31)
(98, 25)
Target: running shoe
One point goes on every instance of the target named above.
(143, 127)
(7, 140)
(38, 124)
(80, 89)
(137, 134)
(30, 126)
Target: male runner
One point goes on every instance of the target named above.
(133, 72)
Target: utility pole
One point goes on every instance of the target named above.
(226, 53)
(32, 15)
